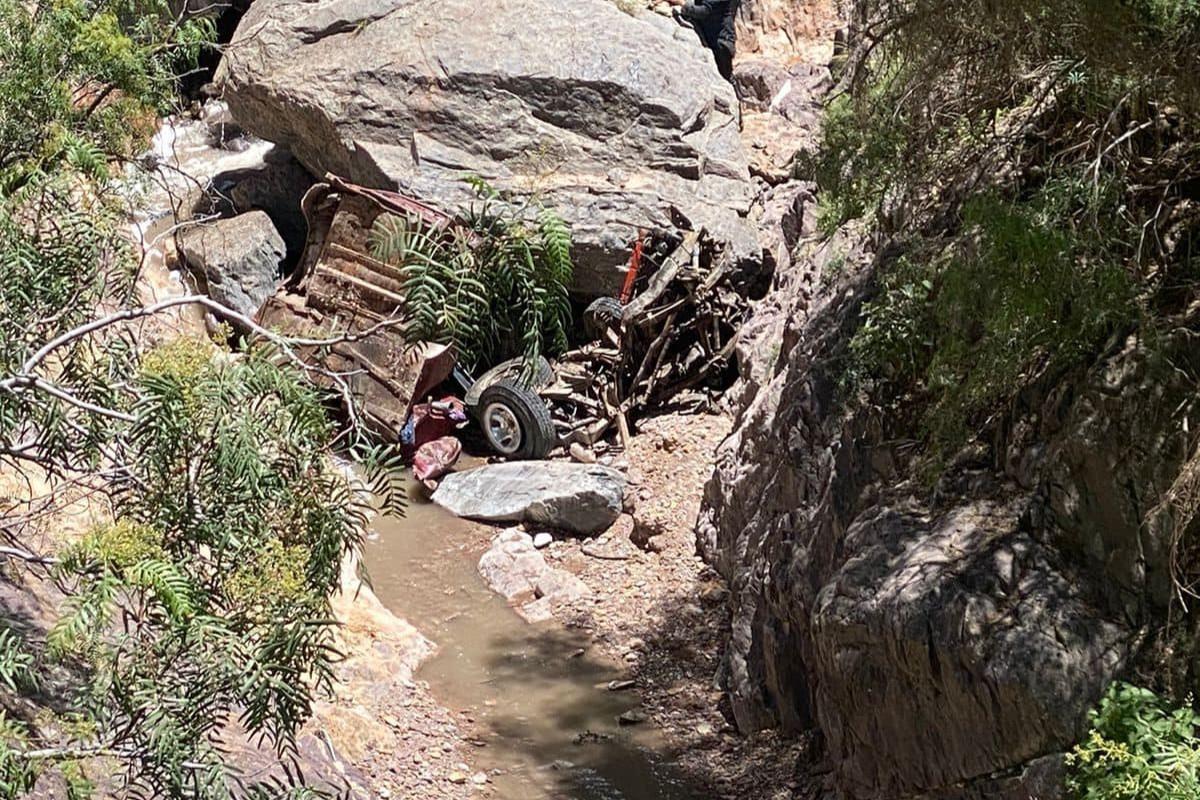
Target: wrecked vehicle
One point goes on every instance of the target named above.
(339, 291)
(674, 329)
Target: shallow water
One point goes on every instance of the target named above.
(549, 722)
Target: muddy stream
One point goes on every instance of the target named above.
(537, 693)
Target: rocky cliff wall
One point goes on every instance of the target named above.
(946, 641)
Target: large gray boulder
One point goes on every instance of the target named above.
(583, 498)
(618, 122)
(235, 260)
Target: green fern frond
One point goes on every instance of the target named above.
(167, 583)
(492, 291)
(16, 663)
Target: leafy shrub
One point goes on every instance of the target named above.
(1139, 748)
(1030, 159)
(207, 598)
(495, 289)
(74, 75)
(965, 324)
(893, 341)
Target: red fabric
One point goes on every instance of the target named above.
(428, 422)
(434, 459)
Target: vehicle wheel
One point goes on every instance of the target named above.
(515, 421)
(543, 376)
(603, 313)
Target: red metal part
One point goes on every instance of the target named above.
(635, 266)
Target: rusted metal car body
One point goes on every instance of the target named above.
(339, 290)
(674, 328)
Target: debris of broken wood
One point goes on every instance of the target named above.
(678, 332)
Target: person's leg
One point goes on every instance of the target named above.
(726, 44)
(724, 62)
(727, 37)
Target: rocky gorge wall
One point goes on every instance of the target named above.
(945, 641)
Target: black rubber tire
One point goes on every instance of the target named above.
(543, 376)
(534, 430)
(601, 314)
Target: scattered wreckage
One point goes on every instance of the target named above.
(674, 328)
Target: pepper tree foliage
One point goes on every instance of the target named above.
(493, 287)
(197, 614)
(82, 80)
(1034, 165)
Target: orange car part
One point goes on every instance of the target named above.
(635, 265)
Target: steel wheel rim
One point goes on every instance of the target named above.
(502, 427)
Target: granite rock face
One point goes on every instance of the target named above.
(618, 122)
(947, 642)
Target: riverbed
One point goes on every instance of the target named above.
(535, 697)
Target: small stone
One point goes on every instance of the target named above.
(712, 594)
(457, 777)
(384, 792)
(704, 729)
(620, 686)
(542, 539)
(535, 611)
(582, 454)
(632, 717)
(479, 778)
